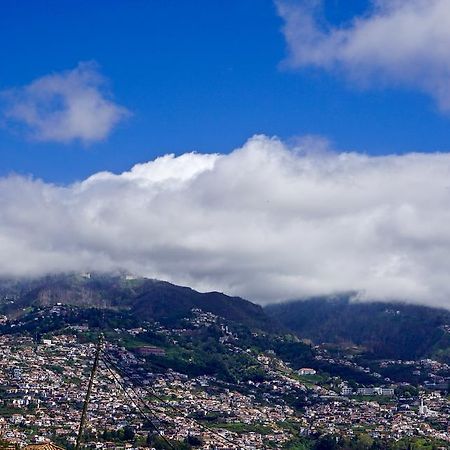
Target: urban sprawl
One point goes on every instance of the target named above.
(43, 385)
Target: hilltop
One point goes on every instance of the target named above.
(141, 297)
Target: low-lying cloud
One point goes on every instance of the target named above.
(266, 222)
(398, 42)
(64, 107)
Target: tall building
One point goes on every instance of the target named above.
(423, 410)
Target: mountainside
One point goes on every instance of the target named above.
(162, 299)
(146, 298)
(385, 330)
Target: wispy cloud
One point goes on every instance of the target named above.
(267, 221)
(66, 106)
(398, 42)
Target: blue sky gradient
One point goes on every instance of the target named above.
(202, 76)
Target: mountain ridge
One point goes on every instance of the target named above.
(382, 330)
(147, 298)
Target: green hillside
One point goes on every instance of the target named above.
(385, 330)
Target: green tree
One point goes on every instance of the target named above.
(364, 442)
(326, 443)
(128, 433)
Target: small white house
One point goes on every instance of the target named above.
(306, 371)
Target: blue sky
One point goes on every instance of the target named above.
(202, 75)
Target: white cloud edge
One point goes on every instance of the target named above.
(266, 222)
(397, 43)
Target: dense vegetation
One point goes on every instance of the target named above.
(397, 331)
(363, 441)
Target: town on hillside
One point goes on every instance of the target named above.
(141, 399)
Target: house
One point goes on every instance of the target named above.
(46, 446)
(306, 371)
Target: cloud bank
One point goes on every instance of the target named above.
(66, 106)
(399, 42)
(266, 222)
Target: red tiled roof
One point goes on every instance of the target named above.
(48, 446)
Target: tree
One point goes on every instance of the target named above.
(326, 443)
(128, 433)
(194, 441)
(364, 442)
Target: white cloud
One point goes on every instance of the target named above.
(266, 222)
(399, 42)
(66, 106)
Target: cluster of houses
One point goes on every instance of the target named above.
(43, 386)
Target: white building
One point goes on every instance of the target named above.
(423, 410)
(306, 371)
(387, 392)
(346, 391)
(365, 391)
